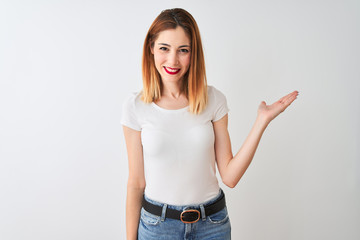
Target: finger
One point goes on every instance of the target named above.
(284, 97)
(290, 99)
(290, 95)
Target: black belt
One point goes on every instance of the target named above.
(188, 215)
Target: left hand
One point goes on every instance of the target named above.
(269, 112)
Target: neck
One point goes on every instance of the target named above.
(172, 90)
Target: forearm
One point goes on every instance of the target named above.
(133, 206)
(241, 161)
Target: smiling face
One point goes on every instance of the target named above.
(172, 54)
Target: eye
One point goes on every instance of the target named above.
(184, 50)
(163, 48)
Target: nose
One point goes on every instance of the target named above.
(173, 58)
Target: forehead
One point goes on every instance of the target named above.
(173, 37)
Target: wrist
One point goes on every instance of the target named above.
(262, 121)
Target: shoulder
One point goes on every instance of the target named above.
(132, 103)
(216, 94)
(217, 103)
(132, 100)
(133, 96)
(131, 116)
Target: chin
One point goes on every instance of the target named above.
(172, 78)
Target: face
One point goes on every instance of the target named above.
(172, 54)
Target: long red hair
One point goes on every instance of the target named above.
(194, 81)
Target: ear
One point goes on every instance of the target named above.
(152, 50)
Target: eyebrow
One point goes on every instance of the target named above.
(165, 44)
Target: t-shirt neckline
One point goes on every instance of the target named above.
(169, 110)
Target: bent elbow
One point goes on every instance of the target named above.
(230, 184)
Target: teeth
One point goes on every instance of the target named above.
(172, 70)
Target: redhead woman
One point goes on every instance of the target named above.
(176, 134)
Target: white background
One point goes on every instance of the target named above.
(67, 66)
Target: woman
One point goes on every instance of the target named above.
(176, 131)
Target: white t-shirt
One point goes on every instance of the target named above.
(178, 148)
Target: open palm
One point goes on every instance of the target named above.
(269, 112)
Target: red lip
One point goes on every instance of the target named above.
(172, 73)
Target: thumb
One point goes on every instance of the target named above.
(262, 105)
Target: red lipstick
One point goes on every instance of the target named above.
(173, 72)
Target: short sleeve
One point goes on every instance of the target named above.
(129, 117)
(221, 107)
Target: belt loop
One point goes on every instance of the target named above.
(202, 209)
(163, 213)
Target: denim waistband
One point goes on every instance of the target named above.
(183, 207)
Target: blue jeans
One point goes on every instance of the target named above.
(215, 226)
